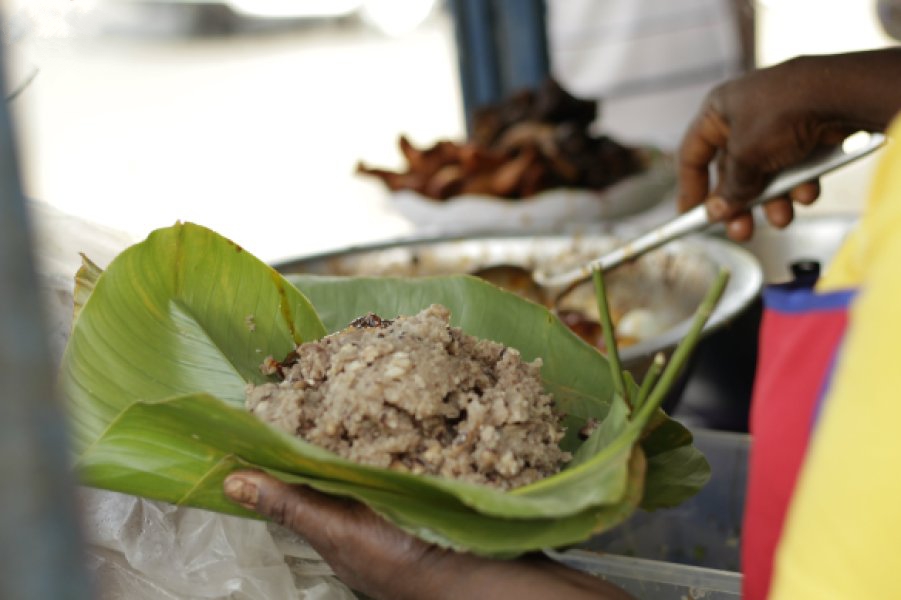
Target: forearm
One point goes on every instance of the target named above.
(522, 579)
(863, 88)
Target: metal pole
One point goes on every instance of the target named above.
(501, 49)
(41, 551)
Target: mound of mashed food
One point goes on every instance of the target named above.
(415, 394)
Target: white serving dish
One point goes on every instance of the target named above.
(548, 211)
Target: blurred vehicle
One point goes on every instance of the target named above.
(389, 17)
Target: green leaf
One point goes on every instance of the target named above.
(177, 437)
(676, 469)
(85, 280)
(167, 338)
(678, 474)
(185, 311)
(598, 479)
(605, 434)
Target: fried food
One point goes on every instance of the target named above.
(533, 141)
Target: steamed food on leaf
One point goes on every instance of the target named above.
(417, 395)
(167, 338)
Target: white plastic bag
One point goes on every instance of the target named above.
(144, 549)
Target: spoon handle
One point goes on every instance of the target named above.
(697, 219)
(854, 147)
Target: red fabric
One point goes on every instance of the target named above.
(795, 359)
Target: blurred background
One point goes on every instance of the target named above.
(249, 116)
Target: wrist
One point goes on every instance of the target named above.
(522, 579)
(442, 575)
(856, 90)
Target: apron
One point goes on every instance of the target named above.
(800, 334)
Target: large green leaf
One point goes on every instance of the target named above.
(166, 339)
(177, 437)
(492, 536)
(598, 479)
(209, 421)
(185, 311)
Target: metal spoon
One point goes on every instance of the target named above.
(854, 147)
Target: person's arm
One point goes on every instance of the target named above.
(376, 558)
(757, 125)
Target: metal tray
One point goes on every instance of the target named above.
(670, 282)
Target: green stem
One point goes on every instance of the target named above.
(616, 370)
(650, 379)
(686, 347)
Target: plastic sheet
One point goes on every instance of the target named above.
(143, 549)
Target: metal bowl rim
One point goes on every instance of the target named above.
(745, 282)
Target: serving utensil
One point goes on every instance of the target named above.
(697, 219)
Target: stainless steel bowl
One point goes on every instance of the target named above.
(808, 238)
(669, 282)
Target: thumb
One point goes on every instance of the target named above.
(365, 551)
(306, 511)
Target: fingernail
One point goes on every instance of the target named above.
(737, 230)
(717, 208)
(242, 491)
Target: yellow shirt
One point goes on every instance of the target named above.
(843, 534)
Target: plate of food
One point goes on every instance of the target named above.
(532, 162)
(189, 358)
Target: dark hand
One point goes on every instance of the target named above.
(374, 557)
(755, 126)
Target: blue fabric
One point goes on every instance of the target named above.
(794, 300)
(827, 383)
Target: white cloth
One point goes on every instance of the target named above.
(650, 62)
